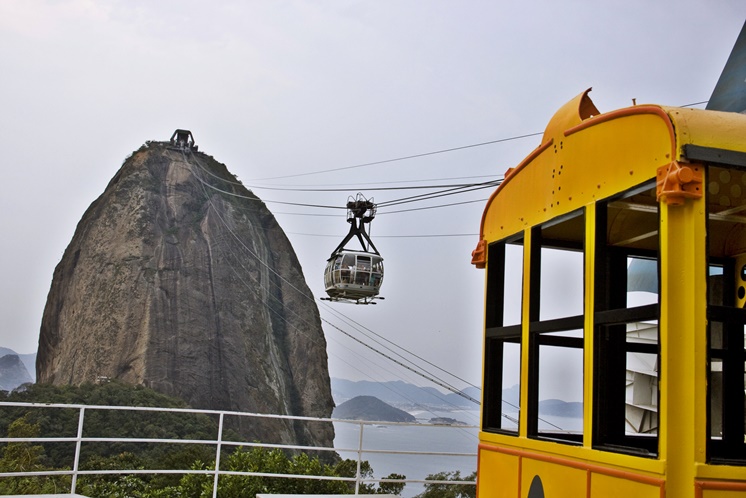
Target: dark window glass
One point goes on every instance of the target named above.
(726, 316)
(627, 353)
(503, 337)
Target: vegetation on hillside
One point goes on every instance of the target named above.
(23, 422)
(442, 490)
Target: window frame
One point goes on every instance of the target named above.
(539, 331)
(496, 336)
(611, 315)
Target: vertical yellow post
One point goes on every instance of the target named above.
(590, 270)
(683, 344)
(525, 318)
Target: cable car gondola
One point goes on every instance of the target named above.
(355, 276)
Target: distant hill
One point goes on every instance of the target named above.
(370, 408)
(402, 394)
(560, 408)
(13, 372)
(399, 393)
(29, 361)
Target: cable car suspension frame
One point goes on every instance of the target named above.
(355, 276)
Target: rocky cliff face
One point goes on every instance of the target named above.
(180, 279)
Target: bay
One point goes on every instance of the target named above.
(413, 438)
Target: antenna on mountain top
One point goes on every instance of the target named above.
(183, 140)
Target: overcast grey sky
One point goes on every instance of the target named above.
(276, 88)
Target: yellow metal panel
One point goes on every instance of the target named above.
(722, 472)
(498, 475)
(616, 487)
(591, 163)
(720, 493)
(551, 450)
(558, 480)
(720, 130)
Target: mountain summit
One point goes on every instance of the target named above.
(180, 279)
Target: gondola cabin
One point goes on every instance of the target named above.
(614, 353)
(353, 275)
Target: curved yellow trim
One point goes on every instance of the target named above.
(510, 174)
(626, 112)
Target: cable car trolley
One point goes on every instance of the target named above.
(355, 276)
(615, 258)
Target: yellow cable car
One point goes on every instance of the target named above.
(615, 258)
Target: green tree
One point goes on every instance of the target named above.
(391, 488)
(56, 422)
(443, 490)
(275, 461)
(25, 457)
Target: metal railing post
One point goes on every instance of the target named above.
(78, 442)
(359, 476)
(217, 457)
(217, 442)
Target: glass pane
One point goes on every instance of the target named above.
(642, 393)
(642, 281)
(726, 288)
(716, 335)
(513, 286)
(715, 281)
(642, 380)
(511, 388)
(561, 283)
(561, 387)
(716, 399)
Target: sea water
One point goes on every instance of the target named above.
(425, 438)
(413, 438)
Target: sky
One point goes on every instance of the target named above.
(292, 94)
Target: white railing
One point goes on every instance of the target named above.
(220, 442)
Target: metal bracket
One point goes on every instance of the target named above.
(677, 182)
(479, 255)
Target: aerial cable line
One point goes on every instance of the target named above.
(432, 207)
(341, 189)
(453, 389)
(424, 236)
(403, 349)
(256, 257)
(384, 383)
(413, 156)
(256, 199)
(460, 393)
(432, 195)
(303, 294)
(403, 158)
(436, 195)
(360, 328)
(447, 191)
(387, 212)
(357, 186)
(375, 189)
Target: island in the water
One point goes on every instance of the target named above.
(370, 408)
